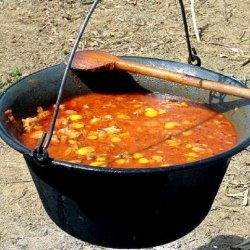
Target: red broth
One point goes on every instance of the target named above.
(131, 131)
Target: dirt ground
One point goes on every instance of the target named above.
(35, 34)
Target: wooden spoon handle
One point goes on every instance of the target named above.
(181, 78)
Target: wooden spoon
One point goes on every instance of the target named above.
(91, 60)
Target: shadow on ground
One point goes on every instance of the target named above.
(227, 242)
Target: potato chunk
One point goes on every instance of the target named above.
(170, 125)
(85, 150)
(150, 112)
(75, 117)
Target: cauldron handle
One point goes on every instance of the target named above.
(40, 153)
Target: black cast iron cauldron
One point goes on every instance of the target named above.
(117, 207)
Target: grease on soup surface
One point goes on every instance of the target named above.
(131, 131)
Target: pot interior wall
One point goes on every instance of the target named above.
(41, 88)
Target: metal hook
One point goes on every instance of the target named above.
(40, 154)
(193, 58)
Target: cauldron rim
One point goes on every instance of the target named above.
(124, 171)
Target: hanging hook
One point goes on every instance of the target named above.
(40, 153)
(193, 58)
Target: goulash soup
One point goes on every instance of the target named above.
(131, 130)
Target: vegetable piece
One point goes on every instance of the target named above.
(150, 112)
(115, 139)
(137, 155)
(120, 161)
(197, 149)
(101, 158)
(72, 142)
(173, 142)
(170, 125)
(85, 150)
(157, 158)
(97, 164)
(143, 161)
(191, 154)
(77, 125)
(94, 120)
(75, 117)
